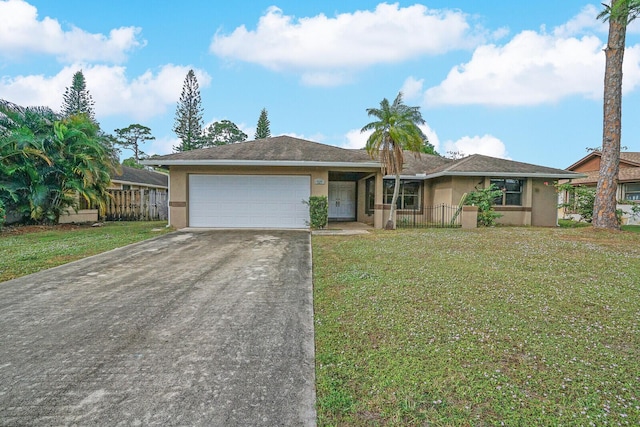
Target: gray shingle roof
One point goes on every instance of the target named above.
(483, 165)
(142, 176)
(290, 149)
(279, 148)
(420, 165)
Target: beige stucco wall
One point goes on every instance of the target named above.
(441, 191)
(544, 203)
(83, 215)
(179, 183)
(539, 200)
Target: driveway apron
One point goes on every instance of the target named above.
(191, 328)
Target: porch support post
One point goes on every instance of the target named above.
(378, 213)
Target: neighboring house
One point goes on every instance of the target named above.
(263, 183)
(135, 179)
(628, 180)
(129, 179)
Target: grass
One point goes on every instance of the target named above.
(502, 326)
(30, 249)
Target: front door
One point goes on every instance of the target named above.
(342, 200)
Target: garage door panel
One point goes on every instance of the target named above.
(249, 201)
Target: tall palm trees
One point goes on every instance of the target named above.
(395, 130)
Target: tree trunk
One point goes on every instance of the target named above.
(604, 209)
(391, 223)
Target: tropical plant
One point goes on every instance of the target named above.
(86, 161)
(48, 164)
(222, 133)
(188, 121)
(394, 131)
(484, 199)
(619, 14)
(77, 99)
(132, 137)
(262, 129)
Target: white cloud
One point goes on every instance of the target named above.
(412, 88)
(432, 136)
(21, 32)
(586, 20)
(324, 48)
(161, 146)
(535, 68)
(355, 139)
(143, 97)
(488, 145)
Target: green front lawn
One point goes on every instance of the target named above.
(25, 250)
(511, 326)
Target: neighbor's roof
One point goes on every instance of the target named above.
(624, 175)
(146, 177)
(630, 157)
(478, 164)
(275, 151)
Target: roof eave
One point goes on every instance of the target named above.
(287, 163)
(568, 175)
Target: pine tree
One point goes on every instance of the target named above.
(76, 99)
(262, 129)
(619, 14)
(132, 137)
(188, 124)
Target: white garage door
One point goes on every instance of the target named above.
(248, 201)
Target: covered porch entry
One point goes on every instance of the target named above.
(347, 196)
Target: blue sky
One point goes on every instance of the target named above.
(522, 81)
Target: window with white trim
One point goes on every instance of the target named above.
(632, 192)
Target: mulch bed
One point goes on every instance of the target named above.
(26, 229)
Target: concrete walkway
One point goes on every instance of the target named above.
(207, 328)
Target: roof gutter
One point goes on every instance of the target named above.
(287, 163)
(568, 175)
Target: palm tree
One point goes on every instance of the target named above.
(46, 164)
(395, 130)
(84, 161)
(619, 14)
(24, 133)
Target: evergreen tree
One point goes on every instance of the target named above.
(262, 129)
(222, 133)
(77, 99)
(619, 14)
(132, 137)
(188, 124)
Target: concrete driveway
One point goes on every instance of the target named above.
(192, 328)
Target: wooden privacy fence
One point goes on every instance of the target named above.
(137, 205)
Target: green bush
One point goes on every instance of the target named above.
(483, 199)
(3, 214)
(318, 211)
(581, 200)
